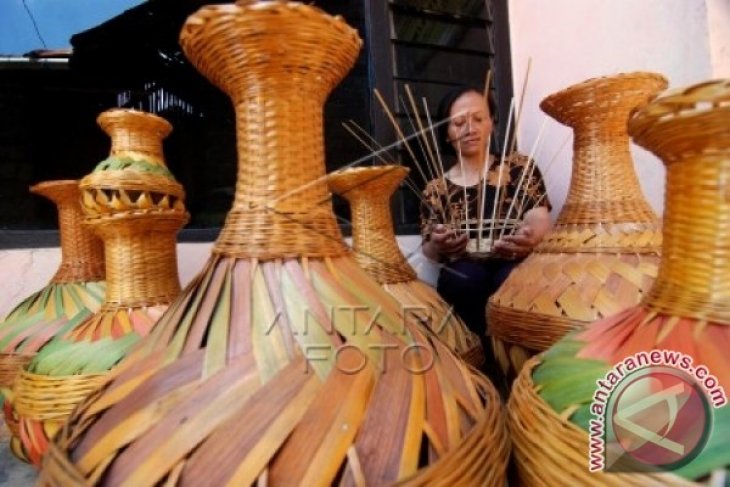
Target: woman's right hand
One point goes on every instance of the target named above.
(444, 242)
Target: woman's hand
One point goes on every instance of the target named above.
(444, 242)
(530, 233)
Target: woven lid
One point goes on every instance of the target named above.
(689, 130)
(82, 254)
(369, 189)
(134, 178)
(603, 189)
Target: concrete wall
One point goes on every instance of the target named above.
(573, 40)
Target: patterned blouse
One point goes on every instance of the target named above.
(443, 200)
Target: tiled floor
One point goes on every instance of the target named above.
(13, 473)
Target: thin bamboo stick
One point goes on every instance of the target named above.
(440, 162)
(530, 164)
(431, 157)
(546, 171)
(500, 169)
(481, 193)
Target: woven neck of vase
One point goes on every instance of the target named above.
(134, 178)
(604, 189)
(135, 134)
(368, 190)
(136, 207)
(278, 62)
(688, 130)
(82, 253)
(141, 261)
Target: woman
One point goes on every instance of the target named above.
(467, 281)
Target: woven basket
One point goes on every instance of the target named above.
(135, 206)
(229, 388)
(74, 293)
(549, 450)
(368, 190)
(686, 311)
(603, 252)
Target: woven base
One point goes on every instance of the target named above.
(42, 404)
(549, 295)
(549, 450)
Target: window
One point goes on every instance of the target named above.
(49, 106)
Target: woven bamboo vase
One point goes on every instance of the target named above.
(368, 190)
(283, 362)
(74, 293)
(133, 203)
(602, 254)
(687, 310)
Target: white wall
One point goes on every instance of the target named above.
(573, 40)
(718, 15)
(33, 268)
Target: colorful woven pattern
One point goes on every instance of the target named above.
(368, 190)
(283, 362)
(602, 255)
(686, 311)
(75, 292)
(137, 212)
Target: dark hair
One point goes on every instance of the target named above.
(444, 111)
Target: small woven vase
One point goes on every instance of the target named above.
(368, 190)
(686, 311)
(75, 292)
(602, 254)
(270, 367)
(133, 203)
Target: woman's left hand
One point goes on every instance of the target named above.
(530, 233)
(517, 246)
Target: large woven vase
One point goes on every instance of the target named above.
(602, 254)
(283, 362)
(686, 311)
(74, 293)
(133, 203)
(368, 190)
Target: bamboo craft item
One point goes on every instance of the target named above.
(687, 310)
(602, 254)
(261, 371)
(368, 190)
(133, 203)
(74, 293)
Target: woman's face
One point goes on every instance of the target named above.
(470, 125)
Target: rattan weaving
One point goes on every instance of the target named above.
(368, 190)
(602, 254)
(227, 389)
(686, 310)
(549, 450)
(135, 206)
(74, 292)
(82, 254)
